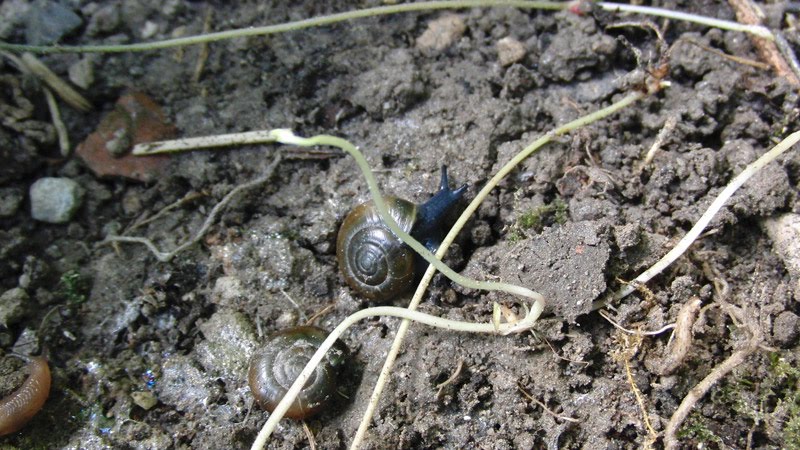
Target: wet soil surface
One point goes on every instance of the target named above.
(148, 354)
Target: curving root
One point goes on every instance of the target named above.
(212, 216)
(681, 339)
(742, 319)
(544, 407)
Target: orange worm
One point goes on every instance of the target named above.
(19, 407)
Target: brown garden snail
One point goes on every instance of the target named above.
(20, 406)
(277, 364)
(375, 262)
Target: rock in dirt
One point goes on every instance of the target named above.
(509, 51)
(12, 306)
(55, 200)
(10, 200)
(441, 33)
(575, 48)
(136, 118)
(230, 340)
(784, 230)
(785, 328)
(81, 73)
(48, 22)
(184, 386)
(390, 88)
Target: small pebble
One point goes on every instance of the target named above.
(82, 73)
(509, 51)
(144, 399)
(149, 30)
(55, 200)
(230, 340)
(12, 306)
(104, 21)
(784, 329)
(10, 199)
(784, 230)
(441, 33)
(48, 22)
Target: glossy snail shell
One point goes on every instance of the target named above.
(19, 407)
(277, 364)
(376, 263)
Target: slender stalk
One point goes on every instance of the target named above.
(391, 311)
(757, 30)
(288, 26)
(705, 219)
(194, 143)
(451, 235)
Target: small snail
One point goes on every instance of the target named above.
(375, 262)
(275, 366)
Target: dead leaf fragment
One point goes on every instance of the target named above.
(136, 119)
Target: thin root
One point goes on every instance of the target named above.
(721, 54)
(453, 377)
(544, 407)
(636, 332)
(312, 443)
(166, 256)
(640, 400)
(669, 125)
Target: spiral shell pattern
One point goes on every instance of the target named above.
(277, 364)
(373, 261)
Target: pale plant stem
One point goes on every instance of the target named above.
(389, 311)
(757, 30)
(194, 143)
(451, 235)
(705, 219)
(288, 26)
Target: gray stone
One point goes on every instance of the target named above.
(48, 22)
(12, 306)
(55, 200)
(230, 340)
(184, 386)
(784, 230)
(81, 73)
(784, 329)
(10, 199)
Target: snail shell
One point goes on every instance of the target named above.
(18, 408)
(277, 364)
(373, 260)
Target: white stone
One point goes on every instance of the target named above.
(55, 200)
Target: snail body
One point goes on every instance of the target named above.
(277, 364)
(373, 260)
(17, 408)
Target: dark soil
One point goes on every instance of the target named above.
(574, 221)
